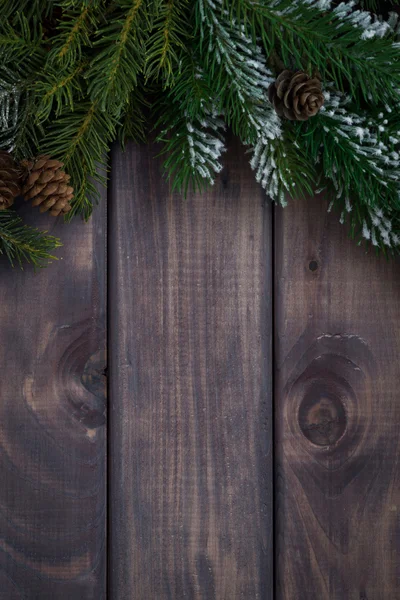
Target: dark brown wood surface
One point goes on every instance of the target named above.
(190, 329)
(190, 341)
(52, 419)
(337, 447)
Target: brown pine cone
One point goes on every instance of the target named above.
(10, 180)
(296, 96)
(46, 184)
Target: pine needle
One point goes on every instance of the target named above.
(23, 244)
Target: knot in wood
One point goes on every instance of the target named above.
(322, 417)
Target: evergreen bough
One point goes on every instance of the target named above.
(23, 244)
(76, 75)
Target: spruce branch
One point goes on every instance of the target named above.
(194, 147)
(281, 166)
(369, 5)
(374, 5)
(192, 92)
(28, 132)
(31, 9)
(81, 139)
(79, 21)
(133, 123)
(236, 69)
(23, 244)
(170, 33)
(120, 58)
(57, 90)
(192, 130)
(21, 48)
(21, 57)
(76, 74)
(10, 97)
(360, 160)
(349, 48)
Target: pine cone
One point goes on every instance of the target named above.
(296, 96)
(10, 180)
(46, 184)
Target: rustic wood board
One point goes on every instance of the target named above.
(52, 419)
(337, 327)
(190, 367)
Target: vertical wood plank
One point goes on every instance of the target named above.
(190, 326)
(337, 412)
(52, 419)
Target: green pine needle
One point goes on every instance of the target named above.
(133, 123)
(170, 33)
(120, 56)
(316, 40)
(81, 140)
(23, 244)
(58, 90)
(76, 75)
(21, 48)
(193, 148)
(80, 20)
(31, 9)
(358, 161)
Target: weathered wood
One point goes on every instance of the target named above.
(190, 351)
(337, 412)
(52, 419)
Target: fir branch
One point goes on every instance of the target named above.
(374, 5)
(170, 34)
(10, 97)
(24, 244)
(28, 131)
(21, 48)
(194, 148)
(379, 227)
(235, 67)
(84, 85)
(133, 123)
(359, 157)
(348, 49)
(192, 129)
(31, 9)
(21, 58)
(58, 88)
(394, 24)
(369, 25)
(191, 93)
(369, 5)
(114, 70)
(81, 140)
(280, 164)
(79, 21)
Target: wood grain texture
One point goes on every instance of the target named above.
(190, 326)
(52, 419)
(337, 412)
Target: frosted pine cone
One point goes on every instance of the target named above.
(296, 96)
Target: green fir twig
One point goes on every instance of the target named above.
(23, 244)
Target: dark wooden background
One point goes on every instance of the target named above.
(253, 401)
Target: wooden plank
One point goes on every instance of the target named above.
(337, 312)
(52, 419)
(190, 351)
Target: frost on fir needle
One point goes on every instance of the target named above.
(204, 148)
(239, 66)
(368, 159)
(370, 25)
(9, 112)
